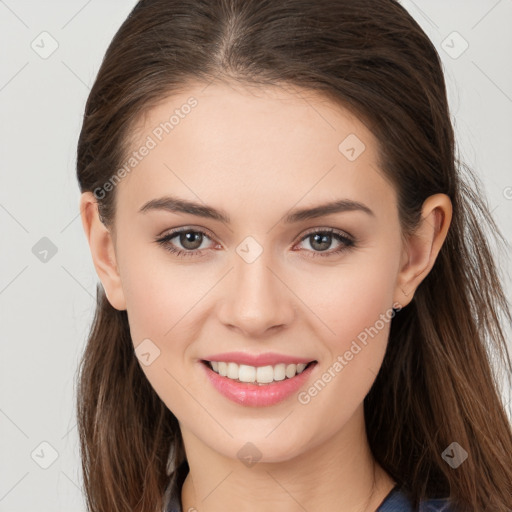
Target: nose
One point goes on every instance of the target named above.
(256, 299)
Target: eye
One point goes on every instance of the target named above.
(320, 240)
(190, 239)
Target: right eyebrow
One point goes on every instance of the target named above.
(174, 204)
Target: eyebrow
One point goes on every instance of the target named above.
(174, 204)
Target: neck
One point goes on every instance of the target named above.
(339, 475)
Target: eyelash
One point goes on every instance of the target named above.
(346, 241)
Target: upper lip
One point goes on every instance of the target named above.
(266, 359)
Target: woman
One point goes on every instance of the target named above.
(297, 289)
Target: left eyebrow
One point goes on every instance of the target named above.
(174, 204)
(341, 205)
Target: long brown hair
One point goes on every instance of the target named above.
(437, 384)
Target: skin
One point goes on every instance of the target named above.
(257, 153)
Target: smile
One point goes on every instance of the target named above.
(257, 386)
(257, 374)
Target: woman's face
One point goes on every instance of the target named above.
(269, 278)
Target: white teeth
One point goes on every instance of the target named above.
(265, 374)
(291, 370)
(259, 374)
(279, 371)
(232, 371)
(223, 369)
(246, 373)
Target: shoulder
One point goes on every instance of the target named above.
(397, 501)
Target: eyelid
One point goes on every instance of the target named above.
(164, 239)
(166, 236)
(327, 230)
(175, 231)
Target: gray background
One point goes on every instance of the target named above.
(47, 306)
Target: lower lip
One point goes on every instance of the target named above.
(253, 395)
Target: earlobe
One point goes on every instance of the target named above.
(423, 246)
(102, 251)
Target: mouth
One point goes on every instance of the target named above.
(257, 375)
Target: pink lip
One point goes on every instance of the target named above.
(266, 359)
(253, 395)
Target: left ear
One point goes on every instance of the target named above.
(423, 246)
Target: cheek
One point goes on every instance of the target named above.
(159, 293)
(351, 298)
(158, 298)
(163, 301)
(355, 306)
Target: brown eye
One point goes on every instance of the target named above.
(321, 240)
(190, 241)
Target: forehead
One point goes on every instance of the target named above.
(265, 143)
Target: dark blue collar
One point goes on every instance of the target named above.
(397, 501)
